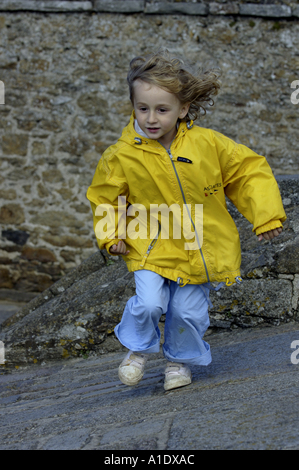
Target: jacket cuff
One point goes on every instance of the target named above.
(109, 244)
(273, 224)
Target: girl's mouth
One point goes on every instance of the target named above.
(153, 130)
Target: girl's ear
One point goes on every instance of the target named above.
(184, 110)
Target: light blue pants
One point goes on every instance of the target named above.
(186, 321)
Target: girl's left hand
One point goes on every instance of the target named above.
(270, 235)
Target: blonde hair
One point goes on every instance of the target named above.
(171, 74)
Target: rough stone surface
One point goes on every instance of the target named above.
(278, 11)
(247, 399)
(296, 11)
(47, 5)
(129, 6)
(224, 8)
(172, 8)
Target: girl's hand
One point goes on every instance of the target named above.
(119, 249)
(270, 235)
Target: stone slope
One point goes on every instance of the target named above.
(246, 399)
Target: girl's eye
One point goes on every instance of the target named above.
(142, 109)
(162, 110)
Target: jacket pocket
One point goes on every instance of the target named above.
(151, 245)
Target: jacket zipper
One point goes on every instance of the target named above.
(151, 245)
(184, 199)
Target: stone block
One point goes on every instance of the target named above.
(53, 176)
(68, 241)
(15, 144)
(55, 219)
(295, 298)
(9, 194)
(47, 5)
(19, 237)
(42, 255)
(5, 278)
(272, 11)
(223, 8)
(287, 259)
(13, 295)
(12, 214)
(295, 11)
(92, 104)
(252, 303)
(173, 8)
(118, 6)
(32, 281)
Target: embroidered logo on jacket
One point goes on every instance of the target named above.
(212, 189)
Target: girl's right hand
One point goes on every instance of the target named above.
(119, 249)
(270, 235)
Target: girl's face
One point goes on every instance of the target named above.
(157, 112)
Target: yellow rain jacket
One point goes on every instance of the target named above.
(201, 167)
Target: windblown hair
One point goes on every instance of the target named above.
(172, 75)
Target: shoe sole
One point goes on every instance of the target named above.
(176, 383)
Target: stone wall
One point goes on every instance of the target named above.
(64, 67)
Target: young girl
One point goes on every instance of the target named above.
(163, 158)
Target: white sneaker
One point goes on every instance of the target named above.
(131, 370)
(177, 375)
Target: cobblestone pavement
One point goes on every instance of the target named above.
(248, 398)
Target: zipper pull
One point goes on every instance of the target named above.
(144, 259)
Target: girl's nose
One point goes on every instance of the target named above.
(152, 117)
